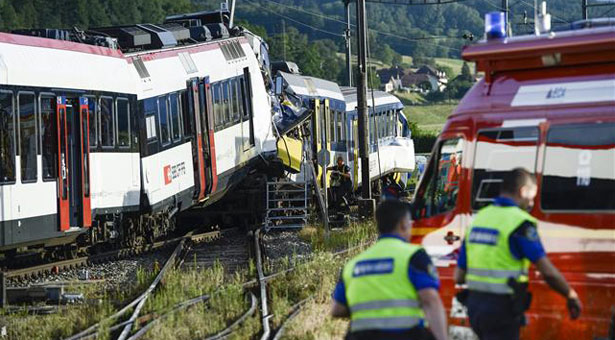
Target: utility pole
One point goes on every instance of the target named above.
(348, 36)
(506, 11)
(366, 204)
(231, 22)
(585, 9)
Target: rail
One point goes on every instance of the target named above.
(91, 332)
(250, 284)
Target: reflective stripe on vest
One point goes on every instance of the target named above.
(401, 322)
(379, 292)
(497, 273)
(384, 304)
(490, 287)
(490, 262)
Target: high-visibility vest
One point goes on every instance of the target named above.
(379, 292)
(489, 261)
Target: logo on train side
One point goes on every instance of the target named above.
(172, 172)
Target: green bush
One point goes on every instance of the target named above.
(424, 140)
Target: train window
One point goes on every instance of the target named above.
(218, 115)
(92, 121)
(343, 126)
(579, 168)
(163, 120)
(244, 98)
(441, 190)
(497, 152)
(27, 136)
(370, 118)
(338, 124)
(174, 111)
(7, 138)
(236, 100)
(107, 138)
(226, 103)
(123, 123)
(150, 107)
(49, 139)
(85, 150)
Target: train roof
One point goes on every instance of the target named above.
(381, 98)
(532, 76)
(310, 87)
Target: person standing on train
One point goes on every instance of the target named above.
(494, 261)
(390, 291)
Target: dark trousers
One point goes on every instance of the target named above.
(491, 316)
(416, 333)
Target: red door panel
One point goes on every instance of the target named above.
(63, 204)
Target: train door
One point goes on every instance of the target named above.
(247, 119)
(74, 203)
(199, 134)
(207, 129)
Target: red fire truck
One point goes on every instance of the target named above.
(545, 103)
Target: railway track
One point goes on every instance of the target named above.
(49, 268)
(226, 249)
(204, 249)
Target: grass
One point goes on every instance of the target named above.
(410, 98)
(351, 236)
(72, 319)
(312, 279)
(430, 117)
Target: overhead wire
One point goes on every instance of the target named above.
(607, 11)
(293, 20)
(339, 20)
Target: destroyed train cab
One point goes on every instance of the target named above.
(330, 115)
(545, 103)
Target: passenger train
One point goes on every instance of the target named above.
(334, 108)
(107, 134)
(546, 103)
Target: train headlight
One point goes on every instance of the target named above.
(495, 25)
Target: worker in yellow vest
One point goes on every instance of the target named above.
(390, 291)
(495, 257)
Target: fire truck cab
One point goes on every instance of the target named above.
(545, 103)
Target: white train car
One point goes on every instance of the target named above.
(391, 146)
(100, 143)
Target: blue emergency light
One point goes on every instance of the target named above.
(495, 25)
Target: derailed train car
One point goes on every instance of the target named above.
(332, 129)
(106, 134)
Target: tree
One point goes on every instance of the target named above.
(466, 74)
(9, 16)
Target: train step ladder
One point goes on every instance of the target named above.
(287, 205)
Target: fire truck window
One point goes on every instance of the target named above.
(497, 152)
(442, 189)
(27, 136)
(49, 139)
(579, 168)
(7, 138)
